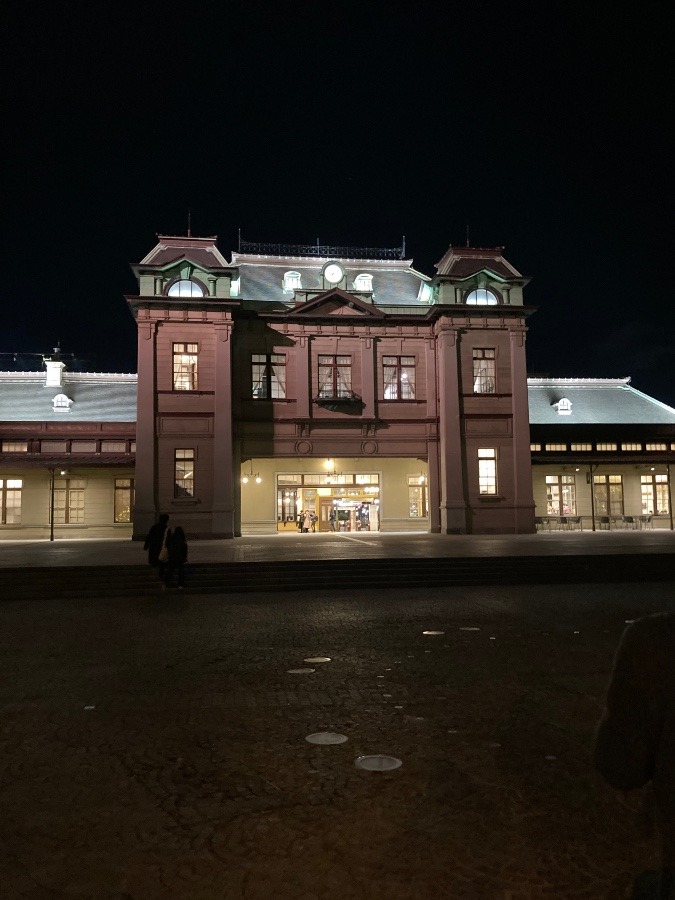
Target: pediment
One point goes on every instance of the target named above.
(336, 303)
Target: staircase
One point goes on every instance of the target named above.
(339, 575)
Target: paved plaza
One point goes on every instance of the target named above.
(155, 748)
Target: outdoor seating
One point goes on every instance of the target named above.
(542, 522)
(646, 522)
(604, 523)
(629, 521)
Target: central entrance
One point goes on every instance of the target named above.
(340, 501)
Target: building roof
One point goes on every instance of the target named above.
(594, 401)
(395, 282)
(462, 262)
(97, 397)
(170, 249)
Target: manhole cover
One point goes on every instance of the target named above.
(317, 659)
(300, 671)
(433, 632)
(326, 737)
(378, 763)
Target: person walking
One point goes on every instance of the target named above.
(306, 522)
(634, 741)
(178, 554)
(157, 545)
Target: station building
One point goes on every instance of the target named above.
(335, 380)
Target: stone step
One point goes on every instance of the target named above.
(341, 574)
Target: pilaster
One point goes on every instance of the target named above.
(223, 456)
(451, 463)
(145, 503)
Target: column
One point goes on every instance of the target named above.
(304, 348)
(523, 498)
(145, 501)
(368, 376)
(223, 461)
(451, 464)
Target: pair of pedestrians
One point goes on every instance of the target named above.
(167, 551)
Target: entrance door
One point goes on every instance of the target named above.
(324, 514)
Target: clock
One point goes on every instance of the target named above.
(333, 273)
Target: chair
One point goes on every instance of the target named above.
(604, 522)
(646, 521)
(541, 522)
(574, 523)
(629, 522)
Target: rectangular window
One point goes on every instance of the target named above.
(631, 446)
(184, 473)
(560, 495)
(113, 446)
(124, 499)
(487, 471)
(656, 446)
(605, 446)
(10, 501)
(556, 447)
(335, 377)
(608, 495)
(484, 371)
(398, 377)
(53, 446)
(654, 490)
(83, 447)
(15, 446)
(581, 448)
(69, 502)
(535, 447)
(268, 376)
(185, 367)
(418, 507)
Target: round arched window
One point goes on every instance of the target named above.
(185, 288)
(481, 297)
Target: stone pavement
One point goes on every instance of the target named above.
(291, 545)
(155, 749)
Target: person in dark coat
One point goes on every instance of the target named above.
(635, 739)
(178, 553)
(154, 542)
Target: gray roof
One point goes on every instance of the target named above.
(24, 397)
(595, 401)
(394, 284)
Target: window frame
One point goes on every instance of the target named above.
(272, 366)
(562, 483)
(185, 366)
(7, 489)
(487, 471)
(183, 474)
(484, 371)
(418, 497)
(654, 494)
(608, 497)
(117, 490)
(196, 288)
(73, 508)
(338, 365)
(401, 371)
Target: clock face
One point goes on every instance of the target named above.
(333, 273)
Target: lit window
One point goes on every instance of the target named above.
(184, 473)
(124, 499)
(10, 501)
(535, 447)
(399, 377)
(268, 376)
(69, 501)
(113, 446)
(654, 489)
(487, 471)
(581, 448)
(61, 403)
(418, 507)
(631, 446)
(564, 407)
(363, 282)
(53, 446)
(83, 447)
(185, 367)
(335, 377)
(481, 297)
(656, 446)
(292, 282)
(555, 447)
(426, 293)
(561, 495)
(185, 288)
(608, 495)
(605, 446)
(484, 370)
(15, 446)
(235, 287)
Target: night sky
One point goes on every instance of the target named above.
(541, 125)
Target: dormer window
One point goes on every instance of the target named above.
(292, 282)
(564, 407)
(235, 287)
(61, 403)
(481, 297)
(185, 288)
(363, 282)
(426, 293)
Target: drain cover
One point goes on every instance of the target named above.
(317, 659)
(300, 671)
(378, 763)
(326, 737)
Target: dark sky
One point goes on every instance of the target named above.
(542, 125)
